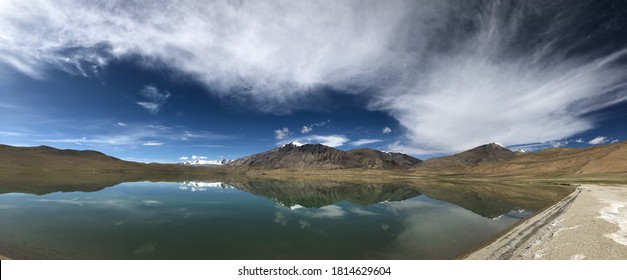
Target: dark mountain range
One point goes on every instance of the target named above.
(485, 153)
(486, 160)
(320, 156)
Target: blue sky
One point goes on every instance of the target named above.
(158, 81)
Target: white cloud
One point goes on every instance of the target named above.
(327, 140)
(598, 140)
(281, 133)
(364, 142)
(122, 124)
(454, 76)
(183, 158)
(152, 143)
(309, 128)
(155, 98)
(614, 141)
(559, 144)
(153, 108)
(579, 141)
(266, 50)
(398, 147)
(306, 129)
(386, 130)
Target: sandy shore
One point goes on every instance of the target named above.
(590, 223)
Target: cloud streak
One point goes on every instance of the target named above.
(145, 135)
(455, 74)
(154, 99)
(362, 142)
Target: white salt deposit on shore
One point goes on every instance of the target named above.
(616, 213)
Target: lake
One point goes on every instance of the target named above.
(265, 219)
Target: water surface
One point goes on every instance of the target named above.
(253, 220)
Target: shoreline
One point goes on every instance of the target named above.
(590, 223)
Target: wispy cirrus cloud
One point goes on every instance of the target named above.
(155, 98)
(152, 143)
(509, 71)
(143, 135)
(362, 142)
(11, 133)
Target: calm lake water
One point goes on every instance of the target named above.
(258, 220)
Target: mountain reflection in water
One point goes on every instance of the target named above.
(261, 219)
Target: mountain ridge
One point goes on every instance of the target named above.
(486, 160)
(485, 153)
(320, 156)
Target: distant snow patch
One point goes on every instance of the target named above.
(201, 160)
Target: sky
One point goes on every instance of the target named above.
(164, 80)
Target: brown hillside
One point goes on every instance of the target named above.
(485, 153)
(44, 157)
(562, 161)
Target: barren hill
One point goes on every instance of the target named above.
(320, 156)
(485, 153)
(611, 158)
(44, 157)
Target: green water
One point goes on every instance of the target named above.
(258, 220)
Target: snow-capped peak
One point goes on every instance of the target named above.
(293, 143)
(200, 160)
(290, 144)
